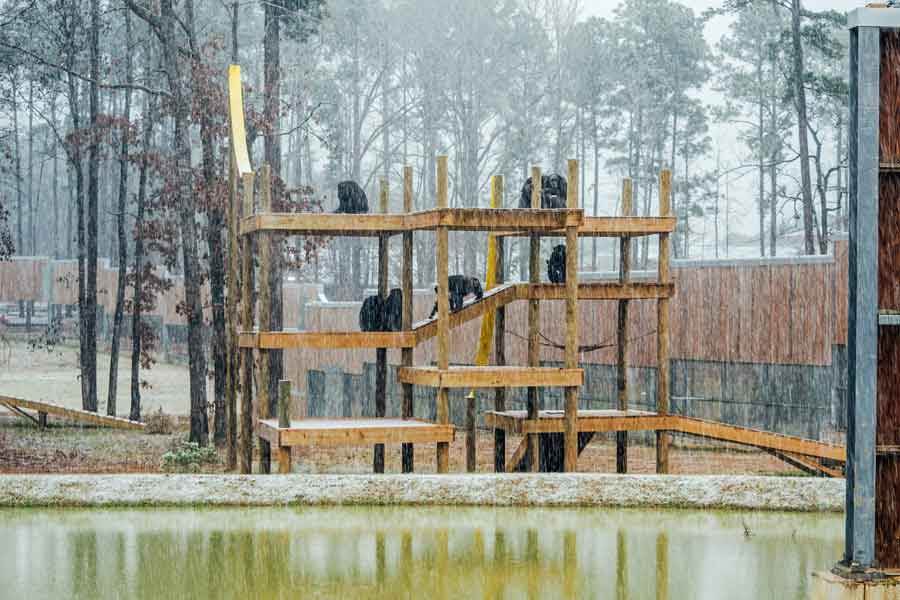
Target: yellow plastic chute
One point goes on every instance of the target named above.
(239, 153)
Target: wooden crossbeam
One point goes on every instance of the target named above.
(325, 340)
(22, 413)
(70, 413)
(355, 432)
(609, 227)
(491, 377)
(806, 464)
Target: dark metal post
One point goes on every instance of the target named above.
(865, 59)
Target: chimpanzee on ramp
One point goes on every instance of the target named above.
(460, 287)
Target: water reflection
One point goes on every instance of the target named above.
(412, 553)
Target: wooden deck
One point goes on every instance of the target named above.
(551, 421)
(19, 406)
(354, 432)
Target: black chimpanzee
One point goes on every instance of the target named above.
(460, 287)
(553, 192)
(392, 313)
(382, 315)
(351, 198)
(371, 314)
(556, 266)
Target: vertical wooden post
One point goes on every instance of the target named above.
(246, 438)
(622, 332)
(42, 419)
(284, 421)
(662, 327)
(381, 353)
(534, 321)
(264, 247)
(406, 354)
(231, 355)
(571, 407)
(443, 324)
(499, 331)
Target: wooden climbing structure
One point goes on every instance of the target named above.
(567, 431)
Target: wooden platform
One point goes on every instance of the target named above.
(491, 377)
(19, 406)
(457, 219)
(610, 227)
(354, 432)
(473, 309)
(551, 421)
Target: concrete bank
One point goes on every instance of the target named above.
(696, 491)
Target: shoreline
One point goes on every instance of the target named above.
(724, 492)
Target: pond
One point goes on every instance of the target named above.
(411, 552)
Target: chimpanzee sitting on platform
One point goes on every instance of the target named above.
(460, 287)
(556, 266)
(351, 198)
(382, 315)
(553, 192)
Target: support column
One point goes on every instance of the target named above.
(264, 247)
(406, 354)
(443, 324)
(381, 353)
(662, 326)
(571, 406)
(622, 332)
(499, 333)
(246, 439)
(534, 320)
(231, 362)
(284, 422)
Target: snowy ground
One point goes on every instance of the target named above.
(762, 493)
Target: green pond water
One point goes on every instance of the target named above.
(432, 553)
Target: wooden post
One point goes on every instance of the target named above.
(246, 438)
(571, 407)
(381, 353)
(622, 333)
(443, 324)
(662, 327)
(231, 356)
(406, 354)
(284, 422)
(42, 419)
(499, 331)
(534, 321)
(264, 247)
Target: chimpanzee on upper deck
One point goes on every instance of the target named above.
(556, 266)
(460, 287)
(553, 192)
(351, 198)
(382, 315)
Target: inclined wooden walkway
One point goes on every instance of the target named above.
(19, 406)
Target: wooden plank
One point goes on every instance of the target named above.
(757, 438)
(25, 414)
(598, 290)
(492, 376)
(245, 455)
(808, 465)
(81, 416)
(329, 224)
(518, 455)
(553, 421)
(570, 447)
(610, 227)
(443, 322)
(534, 322)
(499, 332)
(662, 327)
(622, 332)
(481, 219)
(264, 309)
(406, 355)
(381, 352)
(327, 340)
(355, 432)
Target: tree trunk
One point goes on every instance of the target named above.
(20, 248)
(802, 127)
(120, 231)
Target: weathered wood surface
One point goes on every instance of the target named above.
(490, 377)
(443, 322)
(623, 332)
(355, 432)
(406, 279)
(73, 414)
(552, 421)
(328, 339)
(609, 227)
(570, 444)
(662, 327)
(532, 400)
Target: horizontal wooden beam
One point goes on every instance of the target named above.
(597, 291)
(609, 227)
(354, 432)
(325, 340)
(552, 421)
(81, 416)
(491, 219)
(490, 377)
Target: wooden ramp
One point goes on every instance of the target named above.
(807, 455)
(19, 406)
